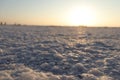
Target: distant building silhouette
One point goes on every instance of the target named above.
(1, 23)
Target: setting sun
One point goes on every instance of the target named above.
(82, 16)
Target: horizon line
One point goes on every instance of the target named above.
(54, 25)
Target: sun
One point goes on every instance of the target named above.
(82, 16)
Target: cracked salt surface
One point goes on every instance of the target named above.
(59, 53)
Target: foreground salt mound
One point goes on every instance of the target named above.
(5, 76)
(24, 73)
(89, 77)
(96, 72)
(78, 68)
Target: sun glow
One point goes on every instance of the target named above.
(82, 16)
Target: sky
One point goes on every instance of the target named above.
(61, 12)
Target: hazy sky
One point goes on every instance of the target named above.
(57, 12)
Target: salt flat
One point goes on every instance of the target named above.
(59, 53)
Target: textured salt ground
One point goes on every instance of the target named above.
(59, 53)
